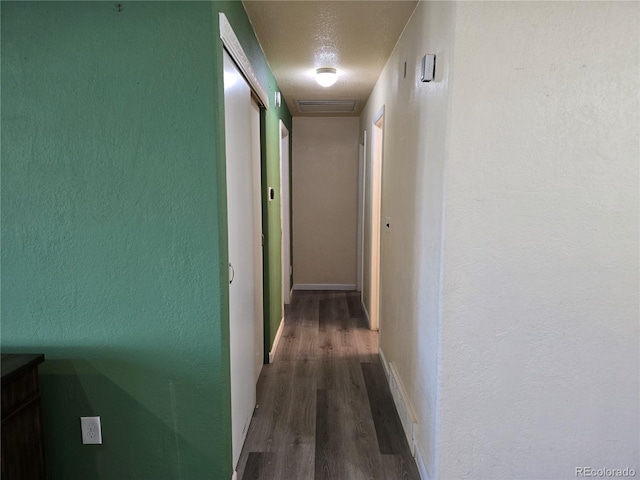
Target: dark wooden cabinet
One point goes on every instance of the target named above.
(22, 445)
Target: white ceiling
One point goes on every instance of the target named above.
(355, 37)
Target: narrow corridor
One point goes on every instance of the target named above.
(324, 406)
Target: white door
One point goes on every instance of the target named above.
(245, 257)
(284, 214)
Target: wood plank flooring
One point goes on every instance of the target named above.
(324, 408)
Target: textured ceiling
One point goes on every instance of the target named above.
(356, 37)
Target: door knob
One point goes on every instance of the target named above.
(232, 273)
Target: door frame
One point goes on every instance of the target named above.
(362, 175)
(285, 217)
(377, 159)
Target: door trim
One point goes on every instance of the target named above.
(362, 172)
(233, 46)
(285, 212)
(376, 218)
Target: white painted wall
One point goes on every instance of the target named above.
(412, 195)
(540, 321)
(325, 200)
(515, 174)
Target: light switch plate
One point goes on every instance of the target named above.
(428, 68)
(91, 431)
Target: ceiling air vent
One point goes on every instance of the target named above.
(326, 106)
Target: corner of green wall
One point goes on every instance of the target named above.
(114, 232)
(114, 228)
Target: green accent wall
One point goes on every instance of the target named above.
(114, 241)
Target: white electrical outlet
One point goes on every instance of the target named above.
(91, 431)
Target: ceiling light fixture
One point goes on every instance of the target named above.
(326, 76)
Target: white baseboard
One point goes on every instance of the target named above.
(422, 469)
(325, 286)
(276, 340)
(405, 412)
(401, 401)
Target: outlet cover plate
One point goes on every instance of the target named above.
(428, 68)
(91, 431)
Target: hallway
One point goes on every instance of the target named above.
(324, 407)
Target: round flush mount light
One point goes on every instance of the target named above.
(326, 76)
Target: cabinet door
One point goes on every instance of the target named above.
(22, 451)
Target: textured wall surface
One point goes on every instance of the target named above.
(114, 245)
(412, 196)
(512, 317)
(325, 200)
(540, 322)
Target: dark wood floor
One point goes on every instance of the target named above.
(324, 407)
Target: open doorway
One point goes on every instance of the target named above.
(285, 209)
(377, 130)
